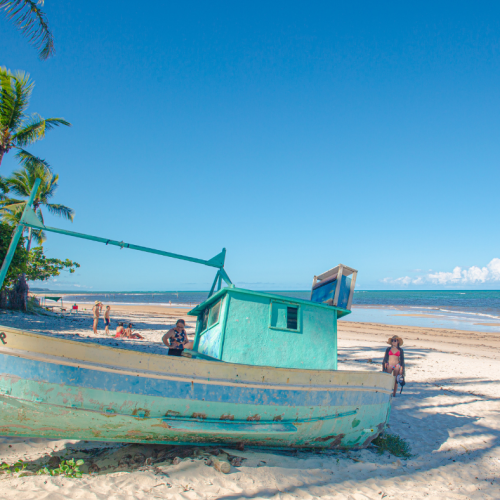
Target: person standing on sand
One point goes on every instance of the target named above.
(106, 320)
(96, 310)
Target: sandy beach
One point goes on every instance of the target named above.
(448, 412)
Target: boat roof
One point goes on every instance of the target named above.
(232, 289)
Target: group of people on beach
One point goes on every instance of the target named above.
(176, 338)
(96, 311)
(121, 330)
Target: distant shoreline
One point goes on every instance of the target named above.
(460, 316)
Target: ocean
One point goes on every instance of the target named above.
(461, 309)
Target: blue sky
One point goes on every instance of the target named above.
(296, 134)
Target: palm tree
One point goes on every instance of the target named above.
(17, 129)
(4, 189)
(21, 183)
(31, 20)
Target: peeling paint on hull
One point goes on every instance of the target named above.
(65, 389)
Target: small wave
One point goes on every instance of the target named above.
(160, 304)
(471, 313)
(423, 307)
(456, 311)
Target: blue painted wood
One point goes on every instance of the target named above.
(326, 291)
(19, 368)
(345, 288)
(211, 341)
(228, 426)
(133, 409)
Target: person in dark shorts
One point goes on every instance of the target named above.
(176, 338)
(106, 320)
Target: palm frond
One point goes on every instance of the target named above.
(32, 22)
(4, 189)
(36, 128)
(40, 214)
(39, 235)
(13, 206)
(16, 90)
(11, 217)
(7, 98)
(27, 160)
(20, 183)
(61, 210)
(51, 187)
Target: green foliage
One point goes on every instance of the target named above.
(68, 468)
(19, 466)
(17, 128)
(19, 263)
(21, 183)
(31, 21)
(41, 268)
(33, 306)
(393, 444)
(34, 263)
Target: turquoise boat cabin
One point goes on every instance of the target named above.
(241, 326)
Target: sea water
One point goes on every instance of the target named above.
(477, 310)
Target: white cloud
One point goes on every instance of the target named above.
(459, 276)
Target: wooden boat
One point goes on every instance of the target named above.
(57, 388)
(263, 372)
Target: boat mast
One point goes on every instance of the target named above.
(30, 219)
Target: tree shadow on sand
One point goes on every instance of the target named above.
(72, 326)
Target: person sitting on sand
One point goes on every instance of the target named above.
(96, 310)
(131, 335)
(106, 319)
(394, 359)
(126, 333)
(176, 338)
(120, 331)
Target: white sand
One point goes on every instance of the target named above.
(448, 412)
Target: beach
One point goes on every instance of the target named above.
(448, 412)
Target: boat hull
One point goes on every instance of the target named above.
(58, 388)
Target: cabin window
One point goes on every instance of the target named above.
(214, 314)
(204, 319)
(211, 316)
(291, 317)
(284, 316)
